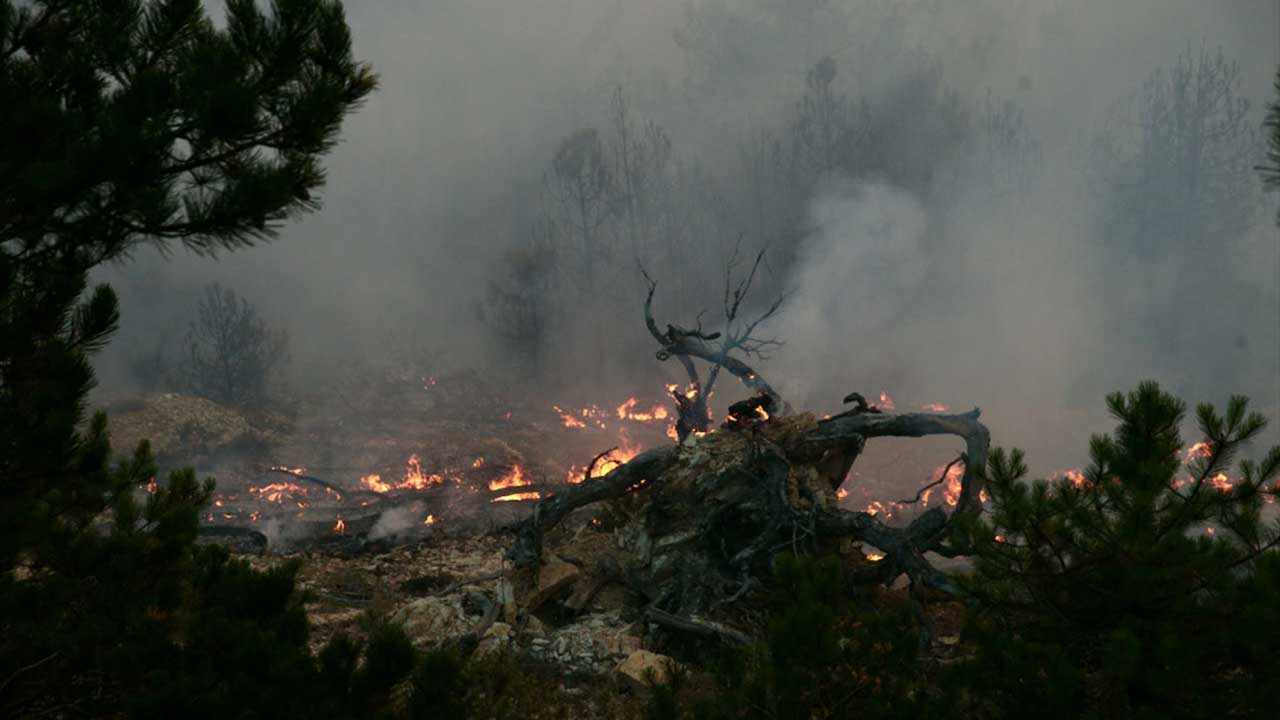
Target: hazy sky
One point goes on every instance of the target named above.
(435, 175)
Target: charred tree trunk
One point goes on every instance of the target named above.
(712, 512)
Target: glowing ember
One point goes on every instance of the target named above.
(277, 492)
(935, 407)
(886, 402)
(153, 487)
(1220, 482)
(569, 420)
(999, 538)
(1211, 531)
(340, 527)
(518, 496)
(478, 462)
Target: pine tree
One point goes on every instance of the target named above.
(131, 122)
(1139, 588)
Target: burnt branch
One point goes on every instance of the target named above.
(641, 471)
(941, 479)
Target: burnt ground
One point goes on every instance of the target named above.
(290, 488)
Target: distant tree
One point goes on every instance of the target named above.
(520, 306)
(232, 354)
(1087, 588)
(581, 183)
(1271, 168)
(127, 123)
(1172, 165)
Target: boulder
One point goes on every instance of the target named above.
(641, 665)
(495, 641)
(431, 620)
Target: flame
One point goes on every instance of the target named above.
(153, 487)
(950, 487)
(874, 556)
(1201, 450)
(515, 478)
(414, 478)
(886, 402)
(277, 492)
(842, 494)
(431, 520)
(1211, 531)
(671, 433)
(478, 462)
(1075, 476)
(626, 412)
(764, 414)
(569, 420)
(933, 407)
(999, 538)
(607, 464)
(340, 527)
(255, 516)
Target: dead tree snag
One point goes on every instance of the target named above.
(715, 348)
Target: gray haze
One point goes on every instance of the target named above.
(943, 198)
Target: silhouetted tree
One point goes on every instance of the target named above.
(231, 353)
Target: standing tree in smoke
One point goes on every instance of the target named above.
(232, 354)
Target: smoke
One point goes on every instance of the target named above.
(397, 521)
(928, 284)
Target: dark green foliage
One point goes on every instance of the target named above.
(134, 121)
(231, 352)
(1088, 590)
(129, 122)
(823, 658)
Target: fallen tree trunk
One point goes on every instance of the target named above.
(707, 517)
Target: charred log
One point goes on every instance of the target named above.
(713, 512)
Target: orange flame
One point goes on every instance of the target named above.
(340, 527)
(431, 520)
(886, 402)
(935, 407)
(277, 492)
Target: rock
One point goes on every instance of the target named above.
(553, 577)
(431, 620)
(496, 640)
(535, 628)
(640, 664)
